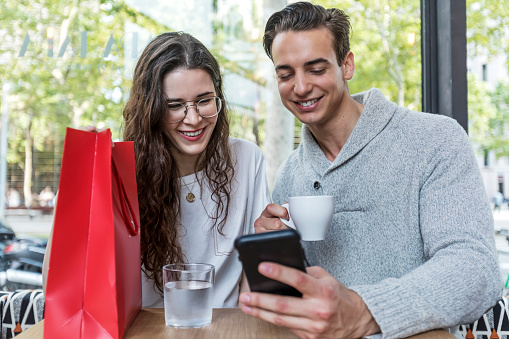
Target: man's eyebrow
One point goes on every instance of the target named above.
(316, 61)
(279, 67)
(308, 63)
(198, 96)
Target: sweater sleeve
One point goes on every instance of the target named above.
(460, 279)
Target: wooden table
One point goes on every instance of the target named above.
(226, 323)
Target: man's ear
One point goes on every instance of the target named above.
(348, 66)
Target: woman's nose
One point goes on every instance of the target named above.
(192, 116)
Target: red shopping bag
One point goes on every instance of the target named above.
(94, 276)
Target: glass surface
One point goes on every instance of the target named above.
(188, 295)
(65, 65)
(488, 91)
(488, 116)
(69, 66)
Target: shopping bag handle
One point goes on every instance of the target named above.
(127, 210)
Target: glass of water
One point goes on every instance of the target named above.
(188, 290)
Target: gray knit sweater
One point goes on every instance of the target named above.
(412, 231)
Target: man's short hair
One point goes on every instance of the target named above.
(304, 16)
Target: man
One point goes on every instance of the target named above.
(411, 245)
(498, 200)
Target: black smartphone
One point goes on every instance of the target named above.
(282, 247)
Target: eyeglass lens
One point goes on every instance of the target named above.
(206, 108)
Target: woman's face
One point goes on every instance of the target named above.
(190, 136)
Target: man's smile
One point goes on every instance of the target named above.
(308, 104)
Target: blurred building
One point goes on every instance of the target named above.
(495, 170)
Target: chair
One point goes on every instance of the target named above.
(24, 308)
(20, 310)
(495, 319)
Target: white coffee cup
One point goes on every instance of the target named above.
(310, 215)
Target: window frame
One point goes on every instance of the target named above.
(444, 59)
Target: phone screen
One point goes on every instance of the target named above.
(282, 247)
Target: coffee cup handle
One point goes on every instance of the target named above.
(288, 223)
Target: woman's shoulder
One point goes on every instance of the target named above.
(241, 146)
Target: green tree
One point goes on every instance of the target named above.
(487, 27)
(488, 113)
(67, 64)
(488, 35)
(482, 112)
(499, 123)
(42, 59)
(385, 39)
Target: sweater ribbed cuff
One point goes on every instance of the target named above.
(394, 319)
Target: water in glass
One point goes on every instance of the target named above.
(188, 304)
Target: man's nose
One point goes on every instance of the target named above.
(301, 86)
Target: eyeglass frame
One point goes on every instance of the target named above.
(183, 103)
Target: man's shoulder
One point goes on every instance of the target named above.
(405, 117)
(433, 118)
(426, 124)
(294, 157)
(430, 134)
(287, 175)
(287, 170)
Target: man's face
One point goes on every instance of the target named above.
(310, 81)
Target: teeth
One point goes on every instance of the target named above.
(192, 134)
(308, 103)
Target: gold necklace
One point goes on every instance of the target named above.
(190, 196)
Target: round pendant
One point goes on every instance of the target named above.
(190, 197)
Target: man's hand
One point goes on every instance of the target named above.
(269, 219)
(327, 308)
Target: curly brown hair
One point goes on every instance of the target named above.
(157, 172)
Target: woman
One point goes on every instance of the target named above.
(198, 188)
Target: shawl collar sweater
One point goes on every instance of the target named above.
(412, 231)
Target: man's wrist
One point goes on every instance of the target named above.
(366, 324)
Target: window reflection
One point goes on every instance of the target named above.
(72, 66)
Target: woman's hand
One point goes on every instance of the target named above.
(90, 128)
(94, 129)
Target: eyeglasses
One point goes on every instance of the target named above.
(206, 108)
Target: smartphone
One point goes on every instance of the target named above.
(282, 247)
